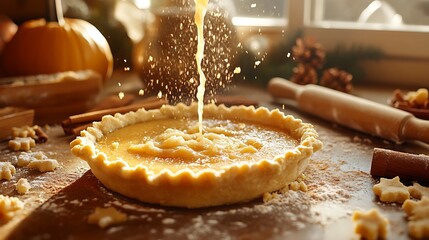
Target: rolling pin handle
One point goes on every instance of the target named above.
(282, 88)
(416, 129)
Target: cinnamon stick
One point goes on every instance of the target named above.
(97, 115)
(76, 123)
(76, 131)
(114, 101)
(389, 164)
(42, 137)
(229, 100)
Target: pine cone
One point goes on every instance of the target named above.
(337, 79)
(304, 74)
(309, 52)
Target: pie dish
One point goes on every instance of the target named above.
(159, 156)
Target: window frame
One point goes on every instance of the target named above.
(414, 39)
(405, 63)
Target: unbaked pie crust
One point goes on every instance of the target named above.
(157, 156)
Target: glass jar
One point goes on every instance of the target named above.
(165, 57)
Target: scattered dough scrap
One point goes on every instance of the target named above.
(9, 206)
(418, 215)
(410, 206)
(13, 160)
(418, 226)
(297, 185)
(37, 160)
(22, 186)
(419, 229)
(7, 170)
(418, 191)
(267, 196)
(115, 145)
(23, 132)
(174, 143)
(371, 225)
(105, 217)
(44, 165)
(25, 158)
(24, 144)
(391, 190)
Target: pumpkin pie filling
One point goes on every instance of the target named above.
(177, 144)
(159, 156)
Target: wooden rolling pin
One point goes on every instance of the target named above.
(353, 112)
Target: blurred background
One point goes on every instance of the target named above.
(379, 42)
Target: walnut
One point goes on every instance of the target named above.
(412, 99)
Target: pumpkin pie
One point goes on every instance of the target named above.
(160, 156)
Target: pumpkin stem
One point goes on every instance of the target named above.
(55, 12)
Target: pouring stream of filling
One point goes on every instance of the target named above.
(200, 12)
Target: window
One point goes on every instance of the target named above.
(399, 29)
(259, 13)
(411, 12)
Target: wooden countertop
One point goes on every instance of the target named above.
(338, 180)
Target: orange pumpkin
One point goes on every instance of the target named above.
(7, 30)
(41, 47)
